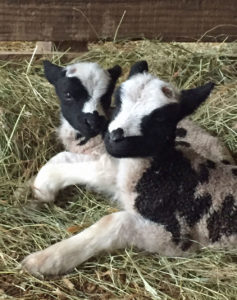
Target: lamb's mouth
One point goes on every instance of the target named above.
(83, 139)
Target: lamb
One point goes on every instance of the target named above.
(84, 90)
(174, 200)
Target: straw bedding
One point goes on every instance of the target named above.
(29, 113)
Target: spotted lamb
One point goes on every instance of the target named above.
(174, 201)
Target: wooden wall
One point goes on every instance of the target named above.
(83, 20)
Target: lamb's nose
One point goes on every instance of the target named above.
(92, 122)
(117, 135)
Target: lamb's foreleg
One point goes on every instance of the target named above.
(112, 232)
(62, 157)
(98, 174)
(69, 157)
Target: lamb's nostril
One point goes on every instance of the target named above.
(117, 135)
(89, 123)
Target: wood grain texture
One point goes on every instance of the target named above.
(18, 55)
(82, 20)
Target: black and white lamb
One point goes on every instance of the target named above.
(84, 90)
(174, 201)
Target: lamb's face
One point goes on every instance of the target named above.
(147, 112)
(144, 117)
(84, 90)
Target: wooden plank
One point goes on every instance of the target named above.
(83, 20)
(15, 55)
(73, 46)
(43, 47)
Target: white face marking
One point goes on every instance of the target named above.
(140, 95)
(94, 79)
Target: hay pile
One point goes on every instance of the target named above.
(28, 116)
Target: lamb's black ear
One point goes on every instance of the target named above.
(115, 72)
(138, 67)
(52, 72)
(191, 99)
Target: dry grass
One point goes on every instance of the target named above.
(28, 116)
(17, 46)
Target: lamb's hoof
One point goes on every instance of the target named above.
(43, 263)
(43, 194)
(44, 186)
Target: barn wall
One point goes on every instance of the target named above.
(83, 20)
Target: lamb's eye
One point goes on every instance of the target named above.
(68, 96)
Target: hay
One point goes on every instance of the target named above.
(28, 116)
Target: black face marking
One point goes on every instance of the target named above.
(223, 221)
(181, 132)
(225, 162)
(167, 189)
(158, 133)
(70, 89)
(234, 171)
(182, 143)
(73, 95)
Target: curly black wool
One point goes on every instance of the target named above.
(223, 221)
(167, 189)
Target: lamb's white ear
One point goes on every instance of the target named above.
(138, 67)
(191, 99)
(52, 72)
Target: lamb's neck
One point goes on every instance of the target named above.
(75, 143)
(168, 156)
